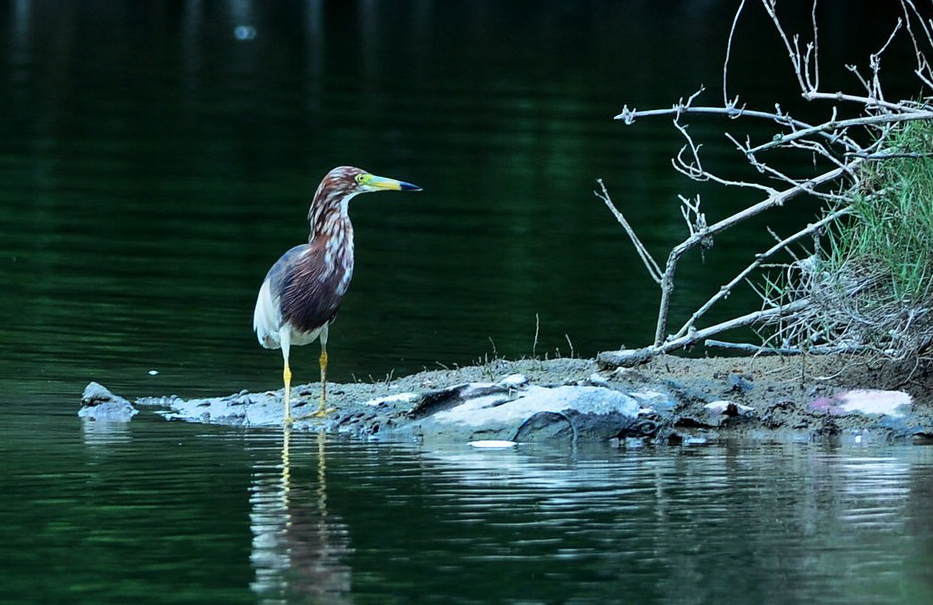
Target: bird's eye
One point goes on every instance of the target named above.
(359, 179)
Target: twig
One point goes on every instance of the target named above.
(793, 51)
(693, 168)
(653, 269)
(759, 350)
(899, 107)
(534, 345)
(923, 66)
(842, 125)
(725, 63)
(815, 83)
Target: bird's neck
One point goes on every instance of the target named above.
(332, 232)
(328, 217)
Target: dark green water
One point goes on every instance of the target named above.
(157, 157)
(172, 513)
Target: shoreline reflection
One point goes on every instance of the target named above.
(298, 544)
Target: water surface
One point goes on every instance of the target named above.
(158, 512)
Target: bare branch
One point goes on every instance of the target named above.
(774, 200)
(725, 63)
(839, 149)
(630, 115)
(793, 51)
(899, 107)
(759, 350)
(888, 156)
(653, 269)
(815, 82)
(841, 125)
(748, 319)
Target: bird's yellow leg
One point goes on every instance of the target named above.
(323, 409)
(287, 377)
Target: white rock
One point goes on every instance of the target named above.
(597, 379)
(493, 444)
(514, 381)
(497, 409)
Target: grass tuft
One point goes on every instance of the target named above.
(871, 279)
(891, 227)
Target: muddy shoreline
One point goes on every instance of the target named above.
(669, 400)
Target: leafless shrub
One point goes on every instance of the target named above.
(813, 305)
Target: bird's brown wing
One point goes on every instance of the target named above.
(307, 287)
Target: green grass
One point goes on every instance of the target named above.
(870, 281)
(889, 234)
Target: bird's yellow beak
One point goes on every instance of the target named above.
(371, 182)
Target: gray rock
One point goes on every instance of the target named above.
(98, 403)
(239, 409)
(567, 413)
(509, 410)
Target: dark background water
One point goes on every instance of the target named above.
(157, 157)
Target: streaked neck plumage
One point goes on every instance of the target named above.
(328, 215)
(331, 228)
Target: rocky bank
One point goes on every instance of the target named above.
(667, 400)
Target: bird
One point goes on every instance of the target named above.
(302, 292)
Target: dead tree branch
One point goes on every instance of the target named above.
(841, 147)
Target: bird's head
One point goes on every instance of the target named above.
(341, 184)
(349, 181)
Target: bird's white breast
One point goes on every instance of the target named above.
(266, 318)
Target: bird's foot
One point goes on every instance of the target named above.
(319, 413)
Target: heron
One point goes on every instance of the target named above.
(302, 292)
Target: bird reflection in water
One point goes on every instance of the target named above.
(298, 545)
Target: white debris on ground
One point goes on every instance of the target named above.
(397, 398)
(874, 401)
